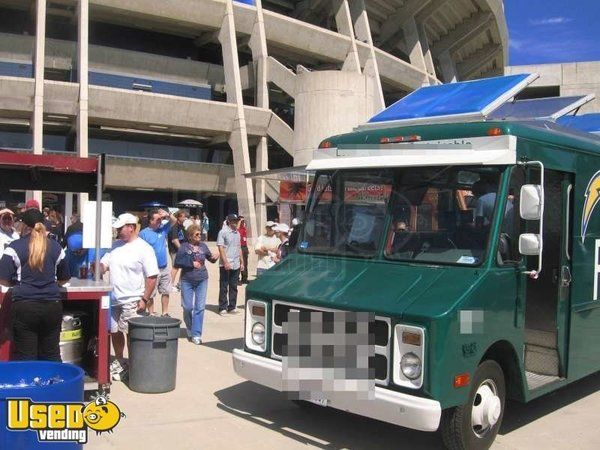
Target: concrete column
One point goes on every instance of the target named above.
(282, 77)
(38, 64)
(362, 31)
(426, 50)
(238, 140)
(448, 67)
(413, 46)
(328, 102)
(258, 46)
(37, 120)
(82, 71)
(343, 20)
(69, 209)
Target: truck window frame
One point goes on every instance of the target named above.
(336, 180)
(518, 223)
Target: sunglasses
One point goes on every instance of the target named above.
(196, 234)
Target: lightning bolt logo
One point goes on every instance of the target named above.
(592, 198)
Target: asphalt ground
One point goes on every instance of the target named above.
(212, 408)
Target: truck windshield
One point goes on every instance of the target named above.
(347, 213)
(443, 214)
(433, 214)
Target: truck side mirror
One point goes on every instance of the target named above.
(530, 244)
(532, 208)
(531, 202)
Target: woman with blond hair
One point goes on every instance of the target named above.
(191, 259)
(34, 266)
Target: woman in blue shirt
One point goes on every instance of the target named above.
(191, 258)
(34, 266)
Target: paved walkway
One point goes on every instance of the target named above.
(212, 408)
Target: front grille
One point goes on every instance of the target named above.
(380, 329)
(381, 367)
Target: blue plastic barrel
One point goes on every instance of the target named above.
(69, 389)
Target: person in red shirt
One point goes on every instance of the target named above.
(244, 244)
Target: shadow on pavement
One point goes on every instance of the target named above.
(182, 333)
(226, 345)
(325, 428)
(520, 414)
(329, 428)
(215, 308)
(212, 308)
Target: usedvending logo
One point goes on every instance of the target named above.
(592, 198)
(63, 422)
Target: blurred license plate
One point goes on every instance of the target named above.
(319, 401)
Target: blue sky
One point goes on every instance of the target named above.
(553, 31)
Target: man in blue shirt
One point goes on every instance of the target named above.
(159, 224)
(230, 250)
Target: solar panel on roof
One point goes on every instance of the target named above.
(585, 122)
(540, 108)
(453, 101)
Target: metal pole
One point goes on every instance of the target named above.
(99, 182)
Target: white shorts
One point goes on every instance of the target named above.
(120, 313)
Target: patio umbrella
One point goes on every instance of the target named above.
(190, 203)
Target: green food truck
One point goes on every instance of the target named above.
(460, 234)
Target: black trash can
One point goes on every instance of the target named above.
(153, 353)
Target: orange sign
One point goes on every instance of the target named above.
(292, 192)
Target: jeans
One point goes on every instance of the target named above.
(228, 282)
(193, 301)
(36, 330)
(259, 272)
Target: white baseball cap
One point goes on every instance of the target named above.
(270, 224)
(282, 228)
(125, 219)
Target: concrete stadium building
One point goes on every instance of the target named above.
(186, 96)
(578, 78)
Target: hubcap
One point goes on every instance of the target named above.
(486, 409)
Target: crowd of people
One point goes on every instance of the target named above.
(139, 267)
(36, 257)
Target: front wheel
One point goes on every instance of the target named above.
(474, 426)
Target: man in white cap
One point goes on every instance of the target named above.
(266, 248)
(133, 271)
(283, 233)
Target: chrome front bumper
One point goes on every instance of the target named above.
(389, 406)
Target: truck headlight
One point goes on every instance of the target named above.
(409, 356)
(411, 366)
(255, 330)
(258, 333)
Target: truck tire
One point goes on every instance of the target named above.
(474, 426)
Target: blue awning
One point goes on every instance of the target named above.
(550, 108)
(585, 122)
(467, 99)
